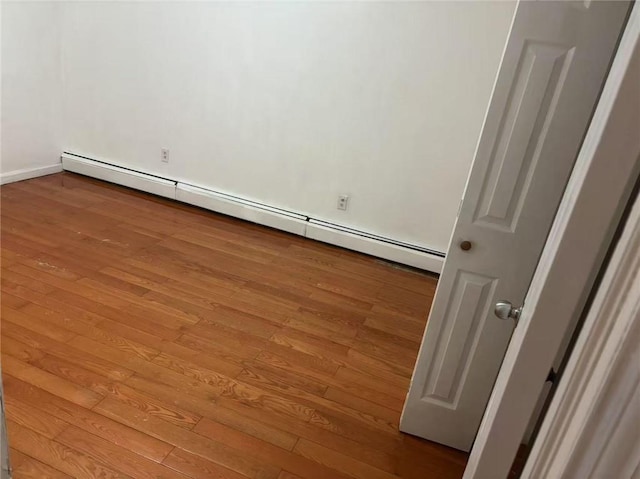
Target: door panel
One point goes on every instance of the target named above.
(527, 115)
(552, 70)
(470, 294)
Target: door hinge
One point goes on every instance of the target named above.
(552, 376)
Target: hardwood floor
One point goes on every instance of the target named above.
(148, 339)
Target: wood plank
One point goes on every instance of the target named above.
(213, 450)
(227, 247)
(33, 418)
(299, 381)
(396, 359)
(19, 245)
(373, 447)
(111, 303)
(116, 457)
(70, 312)
(244, 322)
(322, 404)
(167, 411)
(292, 352)
(405, 301)
(13, 301)
(35, 324)
(50, 382)
(400, 327)
(342, 334)
(363, 405)
(266, 452)
(372, 361)
(34, 469)
(232, 338)
(59, 456)
(211, 359)
(350, 428)
(16, 458)
(75, 305)
(382, 392)
(37, 241)
(86, 419)
(118, 345)
(313, 345)
(229, 350)
(443, 463)
(19, 350)
(359, 384)
(180, 276)
(39, 344)
(154, 282)
(80, 268)
(122, 354)
(216, 386)
(197, 467)
(73, 373)
(188, 399)
(253, 427)
(336, 460)
(295, 363)
(47, 264)
(22, 289)
(288, 475)
(384, 338)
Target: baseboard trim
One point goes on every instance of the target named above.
(28, 173)
(374, 247)
(121, 176)
(243, 209)
(255, 212)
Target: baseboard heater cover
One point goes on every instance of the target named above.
(121, 176)
(415, 256)
(241, 208)
(292, 222)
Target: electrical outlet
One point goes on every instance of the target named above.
(164, 155)
(343, 202)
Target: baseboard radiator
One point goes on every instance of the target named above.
(290, 221)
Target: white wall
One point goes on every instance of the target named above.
(31, 89)
(291, 103)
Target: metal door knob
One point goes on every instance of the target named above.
(505, 310)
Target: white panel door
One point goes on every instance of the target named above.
(552, 71)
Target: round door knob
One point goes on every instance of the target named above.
(465, 245)
(505, 310)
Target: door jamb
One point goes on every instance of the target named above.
(598, 191)
(585, 427)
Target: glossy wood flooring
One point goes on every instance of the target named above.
(143, 338)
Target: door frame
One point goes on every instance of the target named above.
(592, 423)
(598, 191)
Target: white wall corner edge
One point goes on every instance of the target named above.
(374, 247)
(28, 173)
(121, 176)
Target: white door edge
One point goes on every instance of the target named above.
(598, 190)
